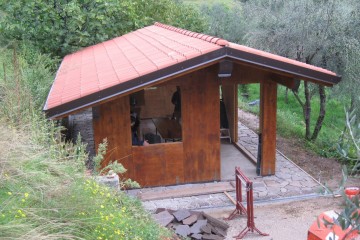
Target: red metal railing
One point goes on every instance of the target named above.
(240, 208)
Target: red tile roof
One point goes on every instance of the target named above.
(96, 72)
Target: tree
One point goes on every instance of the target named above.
(63, 26)
(350, 49)
(349, 148)
(224, 21)
(304, 30)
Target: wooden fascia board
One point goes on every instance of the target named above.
(282, 68)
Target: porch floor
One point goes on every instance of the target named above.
(289, 182)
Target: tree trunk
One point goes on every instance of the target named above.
(322, 112)
(307, 110)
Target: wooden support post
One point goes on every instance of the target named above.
(268, 97)
(230, 96)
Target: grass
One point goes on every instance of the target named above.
(44, 193)
(290, 122)
(50, 198)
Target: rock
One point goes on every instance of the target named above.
(206, 228)
(163, 218)
(182, 230)
(220, 232)
(158, 210)
(110, 181)
(215, 222)
(196, 236)
(212, 237)
(190, 220)
(181, 214)
(196, 228)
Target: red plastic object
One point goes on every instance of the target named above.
(318, 230)
(352, 192)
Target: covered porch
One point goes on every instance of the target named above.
(289, 182)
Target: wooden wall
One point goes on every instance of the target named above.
(201, 124)
(195, 159)
(157, 102)
(112, 121)
(159, 164)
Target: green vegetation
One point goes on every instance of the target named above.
(290, 122)
(61, 27)
(44, 192)
(198, 3)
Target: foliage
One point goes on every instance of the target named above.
(350, 144)
(61, 27)
(44, 193)
(350, 215)
(44, 197)
(25, 81)
(224, 21)
(349, 87)
(291, 124)
(111, 168)
(307, 31)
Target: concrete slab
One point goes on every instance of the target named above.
(231, 157)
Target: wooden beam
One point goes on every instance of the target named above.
(245, 74)
(268, 98)
(285, 81)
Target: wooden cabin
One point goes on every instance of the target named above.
(140, 71)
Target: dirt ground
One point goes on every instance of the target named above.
(326, 170)
(282, 221)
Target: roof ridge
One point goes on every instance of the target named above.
(201, 36)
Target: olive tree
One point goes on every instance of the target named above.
(304, 30)
(224, 21)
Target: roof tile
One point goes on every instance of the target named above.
(133, 55)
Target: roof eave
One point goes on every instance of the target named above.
(187, 66)
(284, 67)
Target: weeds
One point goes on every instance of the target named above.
(44, 192)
